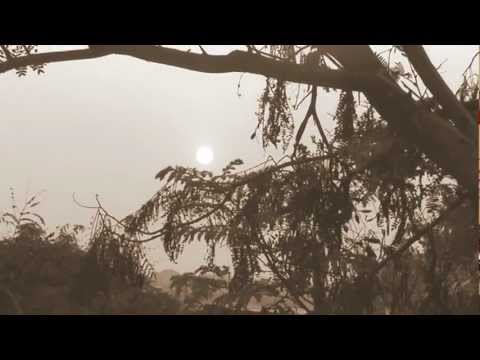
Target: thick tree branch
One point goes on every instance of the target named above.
(440, 141)
(236, 61)
(50, 57)
(440, 90)
(245, 62)
(362, 71)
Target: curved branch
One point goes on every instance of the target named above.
(236, 61)
(477, 54)
(443, 143)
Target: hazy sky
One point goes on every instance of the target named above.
(106, 126)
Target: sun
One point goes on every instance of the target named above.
(204, 155)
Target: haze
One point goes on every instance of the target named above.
(106, 126)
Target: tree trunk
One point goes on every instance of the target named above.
(435, 136)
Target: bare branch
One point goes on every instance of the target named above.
(471, 62)
(444, 144)
(236, 61)
(203, 50)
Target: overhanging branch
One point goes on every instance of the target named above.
(50, 57)
(236, 61)
(440, 90)
(443, 143)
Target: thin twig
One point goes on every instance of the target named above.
(471, 63)
(203, 50)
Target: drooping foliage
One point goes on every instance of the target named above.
(329, 222)
(337, 224)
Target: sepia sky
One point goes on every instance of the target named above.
(107, 126)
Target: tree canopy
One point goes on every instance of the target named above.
(376, 216)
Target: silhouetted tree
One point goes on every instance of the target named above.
(339, 222)
(44, 273)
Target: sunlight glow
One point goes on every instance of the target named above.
(204, 155)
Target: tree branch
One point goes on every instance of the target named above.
(440, 90)
(440, 141)
(236, 61)
(443, 143)
(421, 233)
(50, 57)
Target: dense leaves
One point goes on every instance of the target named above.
(331, 227)
(52, 273)
(324, 222)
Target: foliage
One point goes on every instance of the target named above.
(274, 115)
(323, 222)
(50, 273)
(335, 226)
(210, 288)
(11, 52)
